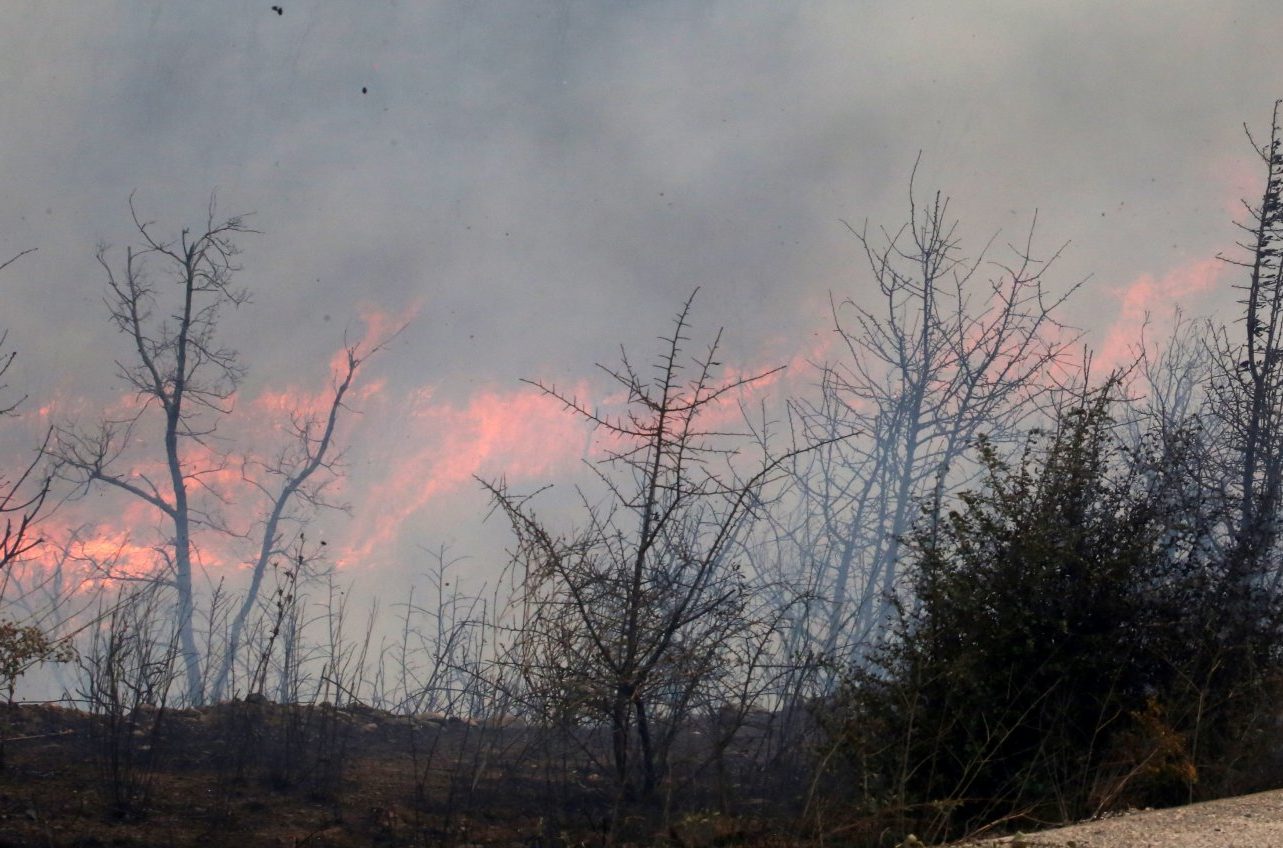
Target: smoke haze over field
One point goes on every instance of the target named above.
(530, 185)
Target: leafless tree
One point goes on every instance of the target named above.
(1247, 391)
(22, 496)
(1170, 377)
(168, 299)
(290, 473)
(23, 500)
(627, 616)
(954, 347)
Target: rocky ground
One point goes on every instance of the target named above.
(1248, 821)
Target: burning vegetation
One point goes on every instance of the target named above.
(964, 582)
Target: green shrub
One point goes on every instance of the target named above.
(1066, 644)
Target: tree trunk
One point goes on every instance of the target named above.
(647, 750)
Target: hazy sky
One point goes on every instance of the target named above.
(532, 184)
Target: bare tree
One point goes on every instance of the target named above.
(23, 496)
(293, 468)
(23, 499)
(954, 347)
(1247, 391)
(628, 615)
(184, 380)
(1170, 378)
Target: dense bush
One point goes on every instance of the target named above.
(1068, 644)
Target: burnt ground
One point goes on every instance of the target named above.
(245, 775)
(250, 774)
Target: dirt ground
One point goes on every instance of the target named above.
(1248, 821)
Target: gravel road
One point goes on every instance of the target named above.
(1247, 821)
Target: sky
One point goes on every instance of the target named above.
(528, 186)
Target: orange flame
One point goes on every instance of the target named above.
(1146, 296)
(522, 434)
